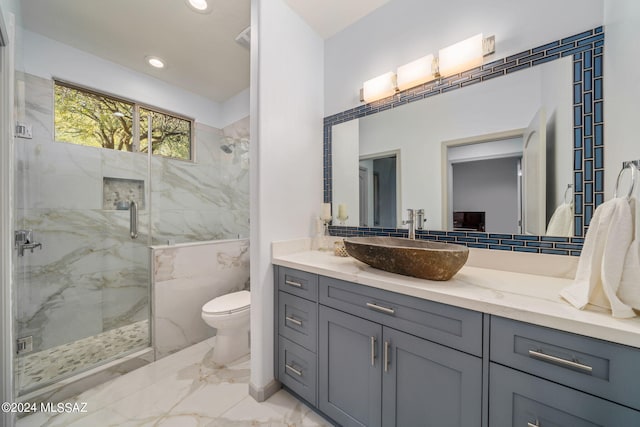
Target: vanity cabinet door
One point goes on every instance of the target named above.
(350, 380)
(426, 384)
(519, 399)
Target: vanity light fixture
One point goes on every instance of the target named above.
(416, 72)
(464, 55)
(379, 87)
(155, 62)
(451, 60)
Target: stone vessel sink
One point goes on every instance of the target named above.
(417, 258)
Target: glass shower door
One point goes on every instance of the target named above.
(81, 281)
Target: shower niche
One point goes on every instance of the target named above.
(118, 193)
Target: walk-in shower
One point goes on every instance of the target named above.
(86, 218)
(109, 161)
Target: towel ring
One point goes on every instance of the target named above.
(633, 169)
(566, 193)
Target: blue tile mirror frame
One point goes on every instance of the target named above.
(587, 49)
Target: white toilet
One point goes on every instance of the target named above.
(229, 314)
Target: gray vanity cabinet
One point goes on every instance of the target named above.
(370, 357)
(545, 377)
(519, 399)
(350, 377)
(296, 326)
(371, 374)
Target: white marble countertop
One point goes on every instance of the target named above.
(519, 296)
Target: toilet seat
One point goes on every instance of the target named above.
(228, 304)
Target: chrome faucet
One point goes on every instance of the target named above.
(411, 222)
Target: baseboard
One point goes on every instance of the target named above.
(262, 394)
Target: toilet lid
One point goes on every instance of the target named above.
(230, 303)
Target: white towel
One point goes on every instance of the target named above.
(602, 261)
(629, 290)
(561, 222)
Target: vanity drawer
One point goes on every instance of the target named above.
(297, 369)
(298, 283)
(594, 366)
(450, 326)
(298, 320)
(519, 399)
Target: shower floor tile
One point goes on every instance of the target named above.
(45, 367)
(183, 389)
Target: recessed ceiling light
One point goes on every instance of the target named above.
(200, 6)
(154, 61)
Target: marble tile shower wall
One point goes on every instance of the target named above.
(184, 279)
(90, 277)
(208, 199)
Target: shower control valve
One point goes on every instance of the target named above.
(24, 240)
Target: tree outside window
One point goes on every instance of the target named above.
(93, 119)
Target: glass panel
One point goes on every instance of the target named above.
(171, 136)
(87, 118)
(82, 297)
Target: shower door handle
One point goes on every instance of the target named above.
(133, 220)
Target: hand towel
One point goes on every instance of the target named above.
(629, 290)
(602, 259)
(561, 222)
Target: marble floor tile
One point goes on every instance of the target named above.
(184, 389)
(282, 409)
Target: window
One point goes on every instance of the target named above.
(93, 119)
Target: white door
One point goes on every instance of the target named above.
(534, 171)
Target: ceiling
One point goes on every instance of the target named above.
(329, 17)
(199, 49)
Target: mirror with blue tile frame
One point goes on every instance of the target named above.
(437, 130)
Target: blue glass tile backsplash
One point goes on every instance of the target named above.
(587, 51)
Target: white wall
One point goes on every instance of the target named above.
(236, 107)
(621, 90)
(345, 172)
(48, 58)
(286, 155)
(404, 30)
(557, 100)
(10, 6)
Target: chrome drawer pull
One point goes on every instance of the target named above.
(292, 283)
(381, 308)
(533, 425)
(559, 361)
(387, 344)
(373, 351)
(294, 370)
(293, 320)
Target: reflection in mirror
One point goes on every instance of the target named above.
(378, 192)
(499, 110)
(484, 184)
